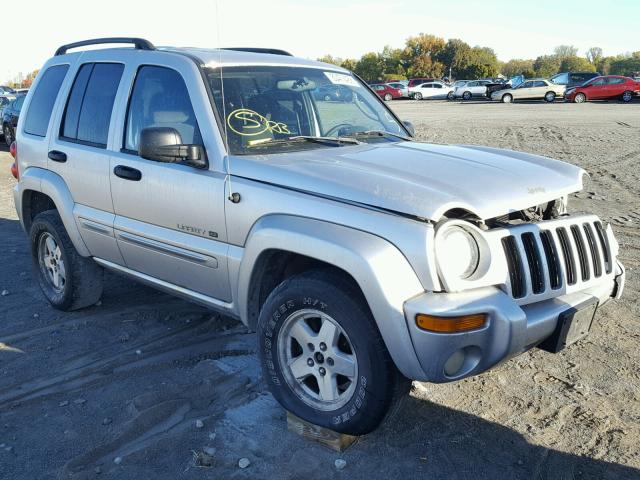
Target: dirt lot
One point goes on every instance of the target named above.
(127, 379)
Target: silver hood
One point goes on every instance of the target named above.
(424, 180)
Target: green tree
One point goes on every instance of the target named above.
(565, 51)
(546, 65)
(518, 67)
(349, 64)
(330, 59)
(455, 55)
(420, 56)
(576, 64)
(594, 55)
(370, 67)
(393, 61)
(626, 65)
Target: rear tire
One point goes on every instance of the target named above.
(68, 280)
(450, 96)
(323, 356)
(550, 97)
(580, 98)
(466, 96)
(627, 96)
(9, 136)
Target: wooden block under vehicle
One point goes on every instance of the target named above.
(334, 440)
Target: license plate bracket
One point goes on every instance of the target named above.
(573, 324)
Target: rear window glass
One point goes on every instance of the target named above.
(88, 112)
(43, 99)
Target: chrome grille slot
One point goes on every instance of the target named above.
(567, 253)
(593, 248)
(516, 270)
(553, 260)
(535, 262)
(606, 248)
(582, 252)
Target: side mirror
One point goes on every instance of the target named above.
(409, 126)
(164, 144)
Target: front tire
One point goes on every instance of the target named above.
(627, 96)
(580, 98)
(550, 97)
(68, 280)
(323, 356)
(388, 97)
(507, 98)
(417, 96)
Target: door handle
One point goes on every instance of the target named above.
(57, 156)
(127, 173)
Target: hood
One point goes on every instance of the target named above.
(419, 179)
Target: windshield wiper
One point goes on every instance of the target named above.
(339, 140)
(381, 133)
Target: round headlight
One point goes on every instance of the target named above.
(458, 253)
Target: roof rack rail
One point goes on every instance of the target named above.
(272, 51)
(140, 43)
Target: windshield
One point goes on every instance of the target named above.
(266, 109)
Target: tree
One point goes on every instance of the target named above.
(349, 64)
(370, 67)
(565, 51)
(625, 65)
(393, 61)
(455, 55)
(576, 64)
(420, 53)
(330, 59)
(518, 67)
(594, 55)
(546, 65)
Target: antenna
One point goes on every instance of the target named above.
(233, 196)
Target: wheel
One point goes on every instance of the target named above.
(507, 98)
(550, 97)
(327, 98)
(580, 98)
(7, 130)
(466, 96)
(323, 356)
(627, 96)
(450, 96)
(388, 97)
(68, 280)
(417, 96)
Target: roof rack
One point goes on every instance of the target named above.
(140, 43)
(272, 51)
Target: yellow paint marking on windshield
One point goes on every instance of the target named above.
(248, 123)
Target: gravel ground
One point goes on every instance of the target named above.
(148, 386)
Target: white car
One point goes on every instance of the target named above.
(534, 89)
(430, 90)
(474, 88)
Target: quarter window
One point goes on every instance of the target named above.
(43, 99)
(90, 104)
(160, 99)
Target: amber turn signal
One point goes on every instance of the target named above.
(462, 323)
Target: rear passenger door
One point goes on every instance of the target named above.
(170, 220)
(78, 153)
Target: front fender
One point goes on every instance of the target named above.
(52, 185)
(384, 275)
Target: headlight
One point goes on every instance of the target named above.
(457, 252)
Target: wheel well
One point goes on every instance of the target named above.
(273, 267)
(34, 203)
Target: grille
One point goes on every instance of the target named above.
(543, 258)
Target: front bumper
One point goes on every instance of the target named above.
(511, 328)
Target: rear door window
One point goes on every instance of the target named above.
(43, 100)
(90, 104)
(160, 99)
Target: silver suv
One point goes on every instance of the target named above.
(361, 257)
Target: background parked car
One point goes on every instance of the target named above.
(4, 90)
(386, 92)
(336, 93)
(573, 79)
(430, 90)
(604, 88)
(414, 82)
(473, 88)
(404, 89)
(534, 89)
(10, 116)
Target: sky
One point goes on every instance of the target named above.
(342, 28)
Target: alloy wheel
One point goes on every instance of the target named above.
(318, 360)
(51, 262)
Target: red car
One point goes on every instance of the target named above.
(386, 92)
(604, 88)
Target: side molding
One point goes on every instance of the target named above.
(383, 273)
